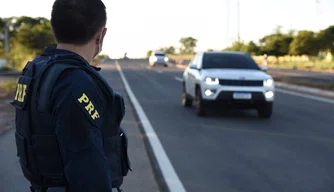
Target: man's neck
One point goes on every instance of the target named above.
(80, 50)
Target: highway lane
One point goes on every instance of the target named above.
(293, 151)
(141, 179)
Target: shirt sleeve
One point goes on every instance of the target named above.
(78, 117)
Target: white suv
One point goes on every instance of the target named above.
(227, 79)
(158, 58)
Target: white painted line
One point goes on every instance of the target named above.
(178, 79)
(159, 71)
(310, 90)
(171, 178)
(306, 96)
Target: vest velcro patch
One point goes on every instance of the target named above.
(87, 104)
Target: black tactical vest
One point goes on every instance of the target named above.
(37, 145)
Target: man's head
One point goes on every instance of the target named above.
(79, 24)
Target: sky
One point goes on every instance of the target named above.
(136, 26)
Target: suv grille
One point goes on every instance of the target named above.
(248, 83)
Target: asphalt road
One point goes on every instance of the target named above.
(236, 152)
(141, 179)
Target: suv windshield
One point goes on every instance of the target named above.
(228, 61)
(159, 54)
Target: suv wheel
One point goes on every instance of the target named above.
(265, 111)
(199, 105)
(186, 100)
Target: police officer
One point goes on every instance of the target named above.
(75, 143)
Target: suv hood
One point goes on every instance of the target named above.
(235, 74)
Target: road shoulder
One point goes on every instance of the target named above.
(142, 178)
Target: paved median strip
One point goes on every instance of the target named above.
(168, 172)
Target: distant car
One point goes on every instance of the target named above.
(158, 58)
(233, 79)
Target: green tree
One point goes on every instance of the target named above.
(326, 39)
(188, 45)
(168, 50)
(276, 44)
(237, 46)
(2, 24)
(28, 37)
(252, 48)
(304, 43)
(35, 37)
(148, 53)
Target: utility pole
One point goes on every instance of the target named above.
(227, 22)
(6, 41)
(238, 19)
(317, 12)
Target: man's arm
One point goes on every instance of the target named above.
(78, 118)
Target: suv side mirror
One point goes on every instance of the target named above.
(193, 67)
(263, 68)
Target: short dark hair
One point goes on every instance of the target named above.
(77, 21)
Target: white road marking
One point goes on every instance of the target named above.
(317, 98)
(172, 180)
(306, 96)
(159, 71)
(178, 79)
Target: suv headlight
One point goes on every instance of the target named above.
(166, 59)
(211, 81)
(153, 59)
(268, 82)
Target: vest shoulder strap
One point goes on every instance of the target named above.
(50, 76)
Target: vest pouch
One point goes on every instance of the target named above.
(126, 165)
(22, 122)
(112, 149)
(22, 150)
(21, 103)
(48, 158)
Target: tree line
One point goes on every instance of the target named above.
(27, 38)
(188, 45)
(277, 44)
(297, 43)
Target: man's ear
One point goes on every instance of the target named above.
(99, 35)
(53, 33)
(104, 32)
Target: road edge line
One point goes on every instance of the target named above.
(308, 96)
(166, 168)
